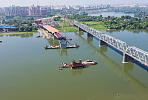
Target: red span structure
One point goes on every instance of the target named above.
(53, 31)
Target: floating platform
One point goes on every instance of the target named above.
(58, 46)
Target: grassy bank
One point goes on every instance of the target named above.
(66, 26)
(9, 33)
(96, 25)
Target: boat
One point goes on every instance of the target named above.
(80, 63)
(53, 47)
(38, 36)
(72, 46)
(67, 38)
(0, 41)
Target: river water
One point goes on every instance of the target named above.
(116, 14)
(27, 70)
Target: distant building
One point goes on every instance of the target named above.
(16, 10)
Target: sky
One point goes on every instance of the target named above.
(6, 3)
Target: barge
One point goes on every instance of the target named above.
(52, 47)
(80, 63)
(62, 45)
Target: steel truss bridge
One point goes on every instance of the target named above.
(129, 50)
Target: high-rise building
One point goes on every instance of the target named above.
(37, 11)
(16, 10)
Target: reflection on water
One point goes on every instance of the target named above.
(53, 41)
(28, 72)
(19, 35)
(62, 52)
(116, 14)
(77, 71)
(116, 68)
(89, 39)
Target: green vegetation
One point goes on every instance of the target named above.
(57, 18)
(22, 25)
(103, 23)
(96, 25)
(65, 26)
(12, 33)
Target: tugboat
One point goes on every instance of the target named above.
(80, 63)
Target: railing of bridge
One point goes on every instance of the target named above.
(132, 51)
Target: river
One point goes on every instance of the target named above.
(116, 14)
(28, 72)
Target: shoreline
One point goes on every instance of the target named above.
(9, 33)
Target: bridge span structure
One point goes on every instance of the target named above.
(51, 31)
(130, 52)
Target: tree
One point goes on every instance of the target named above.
(3, 21)
(21, 28)
(34, 28)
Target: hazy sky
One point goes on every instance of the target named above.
(6, 3)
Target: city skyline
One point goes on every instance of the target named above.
(6, 3)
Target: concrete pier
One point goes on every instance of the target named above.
(63, 44)
(89, 35)
(127, 59)
(80, 29)
(102, 43)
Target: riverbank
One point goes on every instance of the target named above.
(65, 26)
(9, 33)
(96, 25)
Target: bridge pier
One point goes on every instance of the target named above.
(102, 43)
(127, 59)
(80, 29)
(89, 35)
(63, 44)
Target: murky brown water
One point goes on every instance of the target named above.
(27, 70)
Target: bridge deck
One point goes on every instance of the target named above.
(50, 29)
(53, 31)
